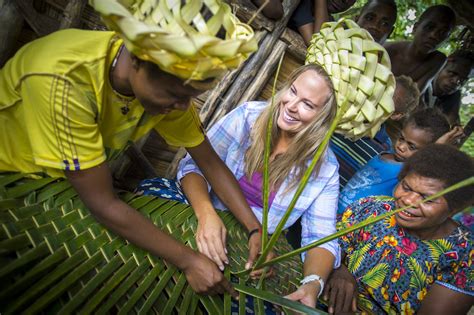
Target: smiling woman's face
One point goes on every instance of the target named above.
(302, 102)
(423, 217)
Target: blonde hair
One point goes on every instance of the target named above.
(303, 145)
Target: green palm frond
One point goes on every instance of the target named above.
(375, 276)
(438, 247)
(357, 257)
(418, 276)
(55, 257)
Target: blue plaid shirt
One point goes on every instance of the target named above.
(317, 205)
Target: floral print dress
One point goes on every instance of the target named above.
(395, 270)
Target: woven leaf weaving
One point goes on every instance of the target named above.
(55, 257)
(360, 71)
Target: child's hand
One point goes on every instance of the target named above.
(451, 137)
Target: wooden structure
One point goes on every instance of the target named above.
(252, 81)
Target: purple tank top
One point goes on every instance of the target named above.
(253, 190)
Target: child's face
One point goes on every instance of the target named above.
(452, 77)
(431, 32)
(378, 19)
(411, 139)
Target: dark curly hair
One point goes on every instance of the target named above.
(447, 164)
(465, 55)
(444, 12)
(389, 3)
(431, 120)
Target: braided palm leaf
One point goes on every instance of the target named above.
(55, 257)
(360, 71)
(178, 36)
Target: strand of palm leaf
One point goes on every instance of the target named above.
(365, 223)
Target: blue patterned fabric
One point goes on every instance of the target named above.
(353, 155)
(161, 187)
(377, 178)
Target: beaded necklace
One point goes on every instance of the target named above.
(125, 99)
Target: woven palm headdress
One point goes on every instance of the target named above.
(360, 72)
(181, 37)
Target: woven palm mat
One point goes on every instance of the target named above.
(55, 257)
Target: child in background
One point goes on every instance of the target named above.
(445, 91)
(379, 175)
(405, 99)
(309, 15)
(353, 155)
(378, 18)
(419, 59)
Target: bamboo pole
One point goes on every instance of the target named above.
(266, 72)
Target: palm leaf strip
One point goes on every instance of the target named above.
(367, 222)
(266, 161)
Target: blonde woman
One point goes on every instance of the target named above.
(304, 110)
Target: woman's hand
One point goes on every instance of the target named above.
(341, 291)
(255, 246)
(211, 238)
(306, 294)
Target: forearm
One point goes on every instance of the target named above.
(319, 261)
(95, 189)
(228, 190)
(195, 189)
(134, 227)
(272, 9)
(223, 183)
(321, 14)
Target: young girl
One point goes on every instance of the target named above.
(379, 175)
(302, 115)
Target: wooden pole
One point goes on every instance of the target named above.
(11, 23)
(72, 14)
(265, 73)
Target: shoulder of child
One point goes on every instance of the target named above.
(395, 47)
(436, 59)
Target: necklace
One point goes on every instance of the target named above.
(125, 99)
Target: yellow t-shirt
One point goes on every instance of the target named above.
(59, 112)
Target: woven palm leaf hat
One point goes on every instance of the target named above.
(176, 36)
(360, 72)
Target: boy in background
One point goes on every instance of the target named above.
(419, 59)
(445, 91)
(378, 18)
